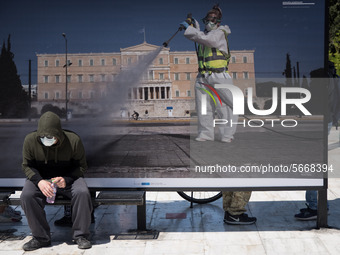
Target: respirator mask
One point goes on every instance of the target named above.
(210, 26)
(48, 141)
(210, 22)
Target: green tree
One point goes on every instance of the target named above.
(288, 71)
(334, 35)
(13, 98)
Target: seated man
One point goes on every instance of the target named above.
(52, 154)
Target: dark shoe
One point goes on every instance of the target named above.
(34, 244)
(64, 222)
(241, 219)
(83, 243)
(307, 214)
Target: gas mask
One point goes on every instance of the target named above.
(48, 141)
(210, 26)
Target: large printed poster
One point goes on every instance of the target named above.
(276, 81)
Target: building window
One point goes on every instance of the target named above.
(150, 75)
(245, 60)
(176, 61)
(177, 93)
(46, 95)
(80, 62)
(161, 76)
(234, 75)
(188, 76)
(46, 63)
(161, 61)
(245, 75)
(187, 60)
(57, 62)
(176, 76)
(102, 62)
(103, 77)
(91, 78)
(57, 78)
(114, 61)
(80, 94)
(69, 62)
(129, 61)
(57, 95)
(80, 78)
(68, 78)
(189, 93)
(45, 78)
(91, 94)
(91, 62)
(233, 59)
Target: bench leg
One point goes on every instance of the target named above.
(141, 215)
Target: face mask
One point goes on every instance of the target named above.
(210, 26)
(48, 141)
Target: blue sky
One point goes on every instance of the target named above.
(36, 26)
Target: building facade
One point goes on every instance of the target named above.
(165, 88)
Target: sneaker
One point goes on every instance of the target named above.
(241, 219)
(306, 209)
(307, 214)
(10, 210)
(200, 139)
(8, 216)
(65, 221)
(226, 140)
(83, 243)
(34, 244)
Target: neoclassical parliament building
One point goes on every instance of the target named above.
(165, 90)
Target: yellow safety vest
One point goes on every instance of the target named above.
(212, 60)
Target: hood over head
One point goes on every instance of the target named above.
(49, 125)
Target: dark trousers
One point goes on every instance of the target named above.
(33, 203)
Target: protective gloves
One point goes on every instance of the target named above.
(190, 21)
(184, 25)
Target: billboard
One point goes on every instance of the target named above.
(281, 108)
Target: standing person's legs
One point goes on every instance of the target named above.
(312, 199)
(227, 197)
(33, 203)
(224, 111)
(205, 119)
(234, 204)
(228, 129)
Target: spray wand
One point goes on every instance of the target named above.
(189, 19)
(165, 44)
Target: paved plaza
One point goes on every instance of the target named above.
(175, 227)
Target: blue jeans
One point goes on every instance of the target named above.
(312, 199)
(312, 195)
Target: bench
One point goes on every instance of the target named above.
(103, 198)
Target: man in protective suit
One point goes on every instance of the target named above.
(213, 60)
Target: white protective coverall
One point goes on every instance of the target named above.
(213, 39)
